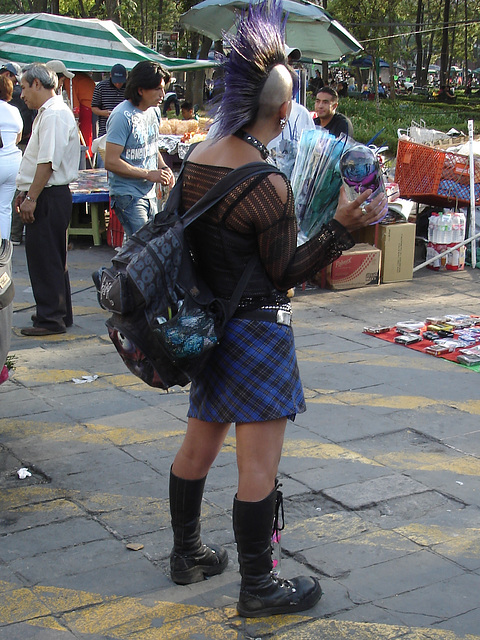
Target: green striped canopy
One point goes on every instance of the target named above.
(82, 45)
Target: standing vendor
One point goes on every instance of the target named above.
(132, 158)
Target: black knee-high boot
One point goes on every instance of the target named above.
(190, 560)
(261, 593)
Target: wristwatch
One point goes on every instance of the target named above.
(27, 197)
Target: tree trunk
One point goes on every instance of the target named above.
(113, 11)
(199, 74)
(420, 73)
(445, 42)
(465, 63)
(189, 89)
(40, 6)
(391, 48)
(160, 14)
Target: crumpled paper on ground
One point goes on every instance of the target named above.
(84, 379)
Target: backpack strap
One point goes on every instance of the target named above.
(241, 284)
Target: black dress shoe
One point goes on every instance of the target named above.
(34, 319)
(41, 331)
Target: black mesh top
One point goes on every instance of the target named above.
(271, 223)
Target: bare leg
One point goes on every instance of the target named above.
(259, 447)
(200, 447)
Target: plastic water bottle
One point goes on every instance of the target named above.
(458, 224)
(432, 228)
(360, 170)
(447, 231)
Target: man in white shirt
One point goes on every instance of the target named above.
(283, 149)
(49, 164)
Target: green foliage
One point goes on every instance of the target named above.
(10, 362)
(367, 120)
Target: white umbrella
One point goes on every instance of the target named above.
(309, 27)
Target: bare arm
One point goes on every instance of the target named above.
(101, 112)
(117, 165)
(26, 207)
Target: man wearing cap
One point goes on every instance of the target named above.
(107, 94)
(49, 164)
(14, 72)
(62, 72)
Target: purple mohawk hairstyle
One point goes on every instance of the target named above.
(257, 47)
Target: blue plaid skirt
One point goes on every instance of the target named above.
(252, 376)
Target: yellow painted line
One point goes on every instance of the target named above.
(28, 375)
(461, 464)
(341, 630)
(55, 431)
(57, 337)
(147, 619)
(14, 498)
(168, 440)
(88, 311)
(366, 357)
(322, 451)
(358, 398)
(449, 541)
(329, 527)
(20, 605)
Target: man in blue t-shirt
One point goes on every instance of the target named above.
(132, 158)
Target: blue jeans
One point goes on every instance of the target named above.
(133, 212)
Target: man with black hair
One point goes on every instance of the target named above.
(188, 111)
(326, 103)
(132, 158)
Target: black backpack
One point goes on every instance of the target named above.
(165, 320)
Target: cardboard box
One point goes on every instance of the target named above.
(357, 267)
(397, 244)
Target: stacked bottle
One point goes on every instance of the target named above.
(445, 230)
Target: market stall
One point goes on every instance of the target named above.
(81, 44)
(430, 175)
(91, 191)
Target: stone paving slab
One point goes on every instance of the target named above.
(380, 477)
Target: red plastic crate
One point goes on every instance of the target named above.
(433, 176)
(114, 230)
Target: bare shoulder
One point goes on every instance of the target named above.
(280, 185)
(201, 152)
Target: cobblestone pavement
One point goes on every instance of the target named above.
(381, 478)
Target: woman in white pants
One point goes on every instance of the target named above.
(11, 125)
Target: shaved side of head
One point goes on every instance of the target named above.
(276, 90)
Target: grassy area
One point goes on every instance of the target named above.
(368, 120)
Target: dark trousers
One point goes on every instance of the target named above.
(168, 103)
(46, 251)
